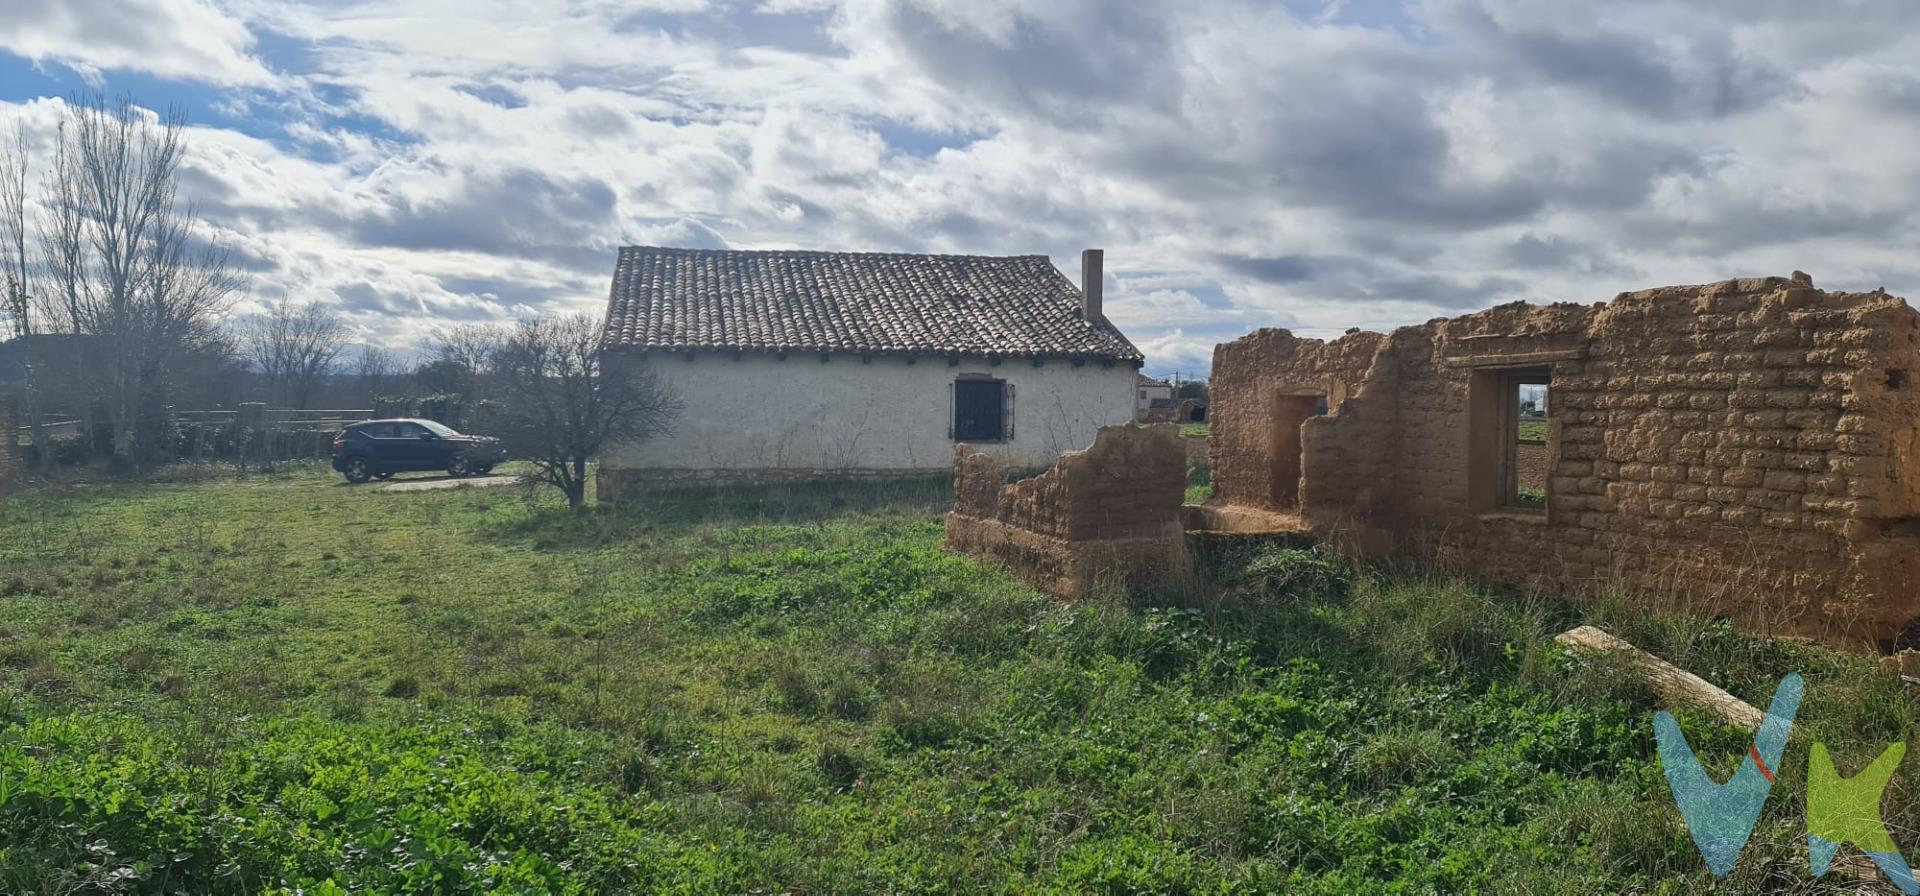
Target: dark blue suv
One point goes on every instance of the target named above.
(377, 449)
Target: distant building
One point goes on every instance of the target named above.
(1147, 391)
(831, 365)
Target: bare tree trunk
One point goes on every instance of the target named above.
(559, 406)
(17, 281)
(118, 252)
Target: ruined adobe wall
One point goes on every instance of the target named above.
(1111, 510)
(1745, 449)
(1247, 374)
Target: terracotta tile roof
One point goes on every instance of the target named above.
(858, 302)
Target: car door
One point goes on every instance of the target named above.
(421, 449)
(390, 449)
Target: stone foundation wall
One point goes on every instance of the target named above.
(1108, 513)
(618, 485)
(1745, 449)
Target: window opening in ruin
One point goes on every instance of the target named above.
(1523, 439)
(1908, 638)
(1289, 412)
(980, 410)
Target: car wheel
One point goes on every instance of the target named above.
(357, 471)
(459, 467)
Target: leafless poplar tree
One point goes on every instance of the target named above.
(466, 352)
(375, 367)
(16, 281)
(124, 263)
(472, 346)
(560, 401)
(296, 347)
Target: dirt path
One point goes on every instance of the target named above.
(431, 484)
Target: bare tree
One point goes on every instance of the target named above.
(295, 347)
(560, 401)
(127, 266)
(16, 281)
(375, 367)
(461, 358)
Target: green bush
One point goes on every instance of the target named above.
(1302, 575)
(390, 406)
(445, 407)
(64, 450)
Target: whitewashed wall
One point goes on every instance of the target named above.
(759, 413)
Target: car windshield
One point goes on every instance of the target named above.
(437, 429)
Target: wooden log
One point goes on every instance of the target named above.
(1678, 686)
(1682, 687)
(1672, 683)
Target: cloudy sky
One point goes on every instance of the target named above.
(1307, 164)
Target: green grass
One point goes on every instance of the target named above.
(1532, 430)
(286, 683)
(1193, 429)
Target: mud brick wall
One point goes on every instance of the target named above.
(1196, 449)
(1110, 511)
(1251, 376)
(1743, 449)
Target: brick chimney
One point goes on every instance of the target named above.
(1091, 281)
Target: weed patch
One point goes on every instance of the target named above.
(284, 684)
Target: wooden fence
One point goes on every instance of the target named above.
(257, 433)
(251, 433)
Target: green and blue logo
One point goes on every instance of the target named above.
(1721, 816)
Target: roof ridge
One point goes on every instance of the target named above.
(667, 298)
(695, 250)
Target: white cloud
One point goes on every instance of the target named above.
(1244, 166)
(182, 39)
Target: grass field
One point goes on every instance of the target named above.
(248, 686)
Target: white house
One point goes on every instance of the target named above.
(837, 365)
(1149, 390)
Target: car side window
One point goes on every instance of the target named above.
(378, 431)
(411, 431)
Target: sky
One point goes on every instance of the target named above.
(1304, 164)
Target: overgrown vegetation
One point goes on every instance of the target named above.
(1199, 481)
(294, 684)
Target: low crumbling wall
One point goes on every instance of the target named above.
(614, 486)
(1196, 449)
(1743, 449)
(1108, 513)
